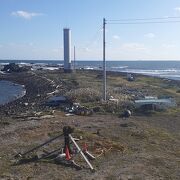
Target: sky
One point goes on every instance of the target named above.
(33, 29)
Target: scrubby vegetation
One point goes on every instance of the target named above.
(85, 87)
(84, 95)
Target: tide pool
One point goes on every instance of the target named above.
(10, 91)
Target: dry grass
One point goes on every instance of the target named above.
(84, 95)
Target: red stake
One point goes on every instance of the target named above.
(68, 157)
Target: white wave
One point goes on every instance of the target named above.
(4, 64)
(24, 64)
(40, 64)
(153, 72)
(164, 73)
(171, 76)
(119, 67)
(60, 65)
(50, 68)
(89, 68)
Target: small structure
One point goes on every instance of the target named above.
(152, 103)
(130, 77)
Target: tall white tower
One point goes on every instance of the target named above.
(67, 50)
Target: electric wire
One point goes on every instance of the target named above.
(150, 22)
(155, 20)
(147, 19)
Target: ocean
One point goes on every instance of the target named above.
(164, 69)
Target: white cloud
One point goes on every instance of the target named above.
(116, 37)
(133, 47)
(149, 35)
(25, 14)
(168, 46)
(177, 9)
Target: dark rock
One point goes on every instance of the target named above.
(12, 67)
(126, 114)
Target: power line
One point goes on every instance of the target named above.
(147, 19)
(146, 22)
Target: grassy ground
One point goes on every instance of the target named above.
(145, 146)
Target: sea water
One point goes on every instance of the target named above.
(10, 91)
(165, 69)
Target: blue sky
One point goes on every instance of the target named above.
(33, 29)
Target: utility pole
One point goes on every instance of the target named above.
(104, 59)
(74, 58)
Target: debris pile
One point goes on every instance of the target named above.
(68, 106)
(79, 110)
(35, 115)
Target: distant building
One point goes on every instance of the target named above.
(67, 50)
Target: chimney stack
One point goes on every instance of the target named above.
(67, 50)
